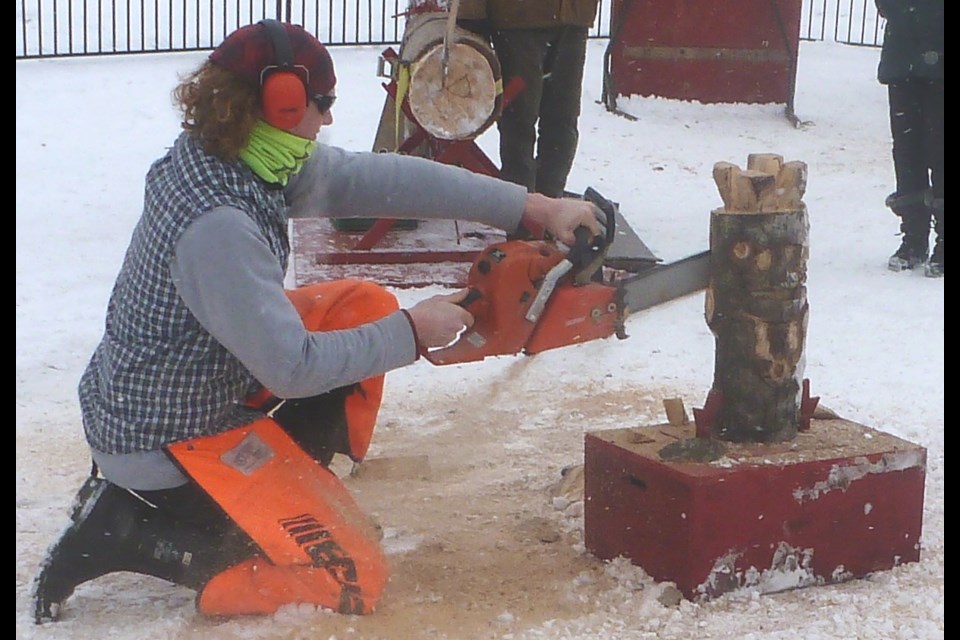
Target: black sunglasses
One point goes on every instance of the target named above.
(324, 103)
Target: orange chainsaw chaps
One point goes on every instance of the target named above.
(576, 314)
(345, 304)
(258, 587)
(320, 547)
(507, 277)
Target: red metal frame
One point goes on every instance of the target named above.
(463, 153)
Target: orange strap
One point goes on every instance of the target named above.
(344, 304)
(320, 547)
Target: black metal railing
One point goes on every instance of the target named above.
(852, 22)
(62, 28)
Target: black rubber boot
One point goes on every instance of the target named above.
(915, 226)
(318, 423)
(114, 530)
(934, 268)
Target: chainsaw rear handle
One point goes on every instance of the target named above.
(586, 253)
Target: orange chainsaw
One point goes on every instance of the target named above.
(530, 295)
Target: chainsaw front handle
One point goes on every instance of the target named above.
(584, 248)
(609, 210)
(588, 252)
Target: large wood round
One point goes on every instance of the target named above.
(465, 103)
(460, 108)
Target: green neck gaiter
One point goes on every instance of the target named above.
(274, 154)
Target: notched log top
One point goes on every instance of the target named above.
(767, 185)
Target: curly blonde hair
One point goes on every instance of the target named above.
(219, 108)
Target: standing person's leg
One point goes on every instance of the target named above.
(520, 53)
(933, 144)
(560, 110)
(912, 175)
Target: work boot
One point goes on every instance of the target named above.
(915, 227)
(318, 423)
(934, 268)
(114, 530)
(912, 253)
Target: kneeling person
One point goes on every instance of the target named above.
(216, 398)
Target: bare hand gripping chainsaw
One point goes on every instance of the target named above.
(531, 295)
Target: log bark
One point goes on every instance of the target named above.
(756, 302)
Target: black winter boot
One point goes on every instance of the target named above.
(318, 423)
(934, 268)
(114, 530)
(915, 226)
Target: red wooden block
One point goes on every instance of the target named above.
(711, 51)
(838, 502)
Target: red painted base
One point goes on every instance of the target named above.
(840, 501)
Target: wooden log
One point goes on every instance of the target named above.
(460, 107)
(756, 302)
(468, 100)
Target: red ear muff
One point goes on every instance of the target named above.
(283, 92)
(283, 99)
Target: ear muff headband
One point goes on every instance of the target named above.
(283, 87)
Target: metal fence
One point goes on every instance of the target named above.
(67, 28)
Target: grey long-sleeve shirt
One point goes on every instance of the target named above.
(247, 310)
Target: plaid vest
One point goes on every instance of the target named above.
(158, 376)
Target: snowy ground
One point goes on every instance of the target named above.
(466, 537)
